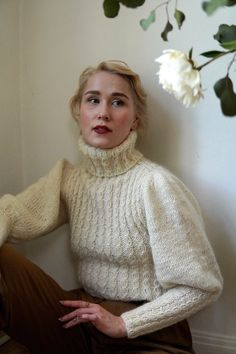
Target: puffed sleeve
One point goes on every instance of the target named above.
(185, 264)
(36, 211)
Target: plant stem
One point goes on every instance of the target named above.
(167, 12)
(218, 56)
(166, 3)
(231, 63)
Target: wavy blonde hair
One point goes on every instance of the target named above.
(120, 68)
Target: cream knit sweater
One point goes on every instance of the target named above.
(135, 228)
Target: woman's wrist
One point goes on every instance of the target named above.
(122, 327)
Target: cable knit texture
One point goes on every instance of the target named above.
(135, 228)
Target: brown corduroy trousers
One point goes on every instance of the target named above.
(30, 308)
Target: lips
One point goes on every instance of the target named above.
(101, 129)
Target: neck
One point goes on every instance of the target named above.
(110, 162)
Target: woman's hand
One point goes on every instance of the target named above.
(107, 323)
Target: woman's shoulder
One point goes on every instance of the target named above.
(66, 166)
(155, 172)
(63, 170)
(159, 177)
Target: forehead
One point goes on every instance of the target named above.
(106, 82)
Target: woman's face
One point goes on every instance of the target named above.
(107, 110)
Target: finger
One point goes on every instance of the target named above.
(89, 317)
(75, 303)
(69, 316)
(74, 322)
(78, 312)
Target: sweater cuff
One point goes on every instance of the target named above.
(4, 228)
(136, 330)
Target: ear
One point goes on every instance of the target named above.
(135, 124)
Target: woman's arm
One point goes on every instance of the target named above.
(36, 211)
(184, 261)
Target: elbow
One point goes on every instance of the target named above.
(217, 284)
(214, 290)
(207, 290)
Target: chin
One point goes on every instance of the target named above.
(105, 146)
(97, 143)
(105, 142)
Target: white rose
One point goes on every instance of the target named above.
(178, 76)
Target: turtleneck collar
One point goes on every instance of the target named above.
(110, 162)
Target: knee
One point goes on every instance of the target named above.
(6, 249)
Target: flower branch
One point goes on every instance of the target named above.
(178, 73)
(215, 58)
(232, 61)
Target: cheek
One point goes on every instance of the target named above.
(83, 118)
(128, 121)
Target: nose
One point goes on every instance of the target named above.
(103, 116)
(103, 109)
(103, 112)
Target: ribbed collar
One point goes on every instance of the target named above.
(110, 162)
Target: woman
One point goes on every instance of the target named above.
(144, 262)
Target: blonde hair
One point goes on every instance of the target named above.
(115, 67)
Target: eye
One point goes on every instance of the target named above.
(118, 102)
(93, 100)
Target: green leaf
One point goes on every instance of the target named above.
(190, 54)
(212, 54)
(229, 45)
(220, 86)
(224, 91)
(111, 8)
(180, 17)
(211, 6)
(226, 36)
(132, 3)
(228, 103)
(168, 28)
(145, 23)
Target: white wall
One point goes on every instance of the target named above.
(10, 140)
(58, 39)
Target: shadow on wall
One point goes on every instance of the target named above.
(168, 135)
(219, 218)
(172, 141)
(219, 225)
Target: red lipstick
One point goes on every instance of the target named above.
(101, 129)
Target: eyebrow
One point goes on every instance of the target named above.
(95, 92)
